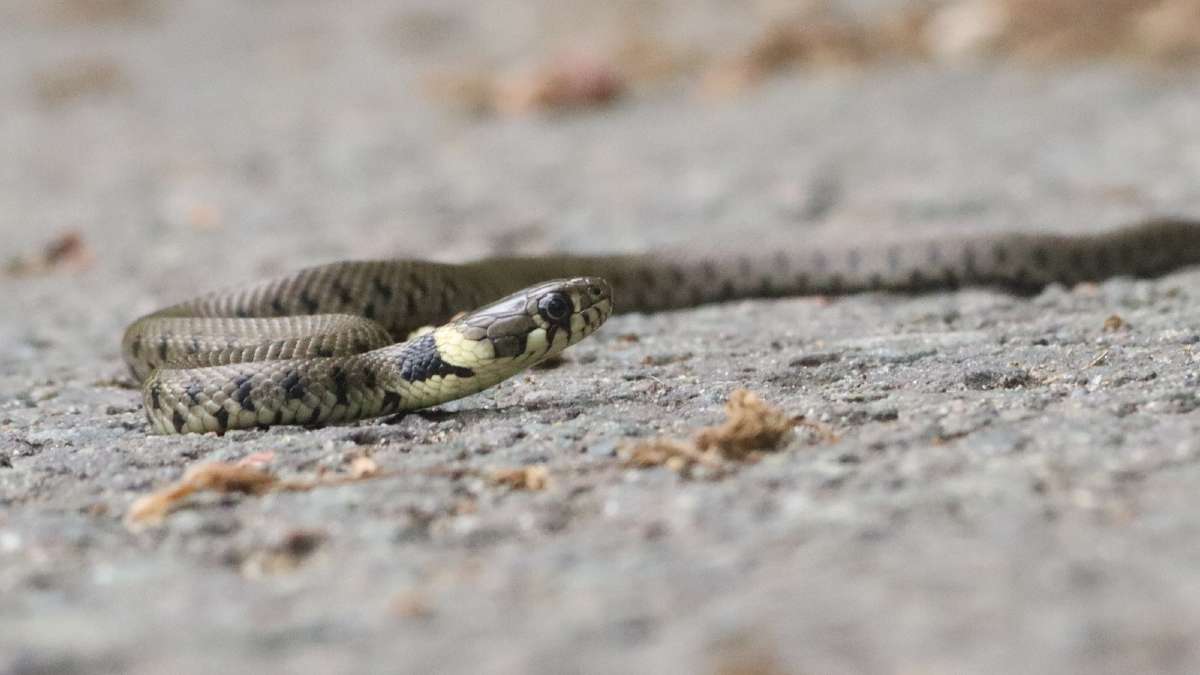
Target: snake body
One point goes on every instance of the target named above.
(321, 345)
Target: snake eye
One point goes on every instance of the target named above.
(555, 307)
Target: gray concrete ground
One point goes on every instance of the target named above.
(1014, 488)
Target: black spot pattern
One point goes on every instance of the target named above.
(222, 416)
(241, 393)
(381, 289)
(177, 421)
(292, 388)
(391, 401)
(309, 304)
(193, 391)
(277, 306)
(421, 361)
(340, 386)
(343, 294)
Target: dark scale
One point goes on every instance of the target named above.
(801, 283)
(381, 289)
(222, 416)
(155, 394)
(391, 401)
(135, 347)
(1078, 263)
(177, 421)
(646, 278)
(968, 258)
(241, 393)
(421, 361)
(1103, 261)
(369, 310)
(343, 294)
(292, 388)
(1041, 257)
(162, 349)
(310, 305)
(340, 386)
(193, 390)
(277, 307)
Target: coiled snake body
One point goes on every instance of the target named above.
(320, 346)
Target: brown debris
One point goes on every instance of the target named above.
(1115, 323)
(1029, 31)
(752, 427)
(536, 477)
(818, 37)
(1065, 30)
(287, 555)
(566, 83)
(66, 250)
(247, 477)
(77, 79)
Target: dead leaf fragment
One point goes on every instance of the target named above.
(751, 428)
(1115, 323)
(751, 425)
(536, 477)
(66, 250)
(248, 476)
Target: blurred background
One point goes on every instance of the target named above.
(169, 141)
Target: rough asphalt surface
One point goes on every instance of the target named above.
(1013, 488)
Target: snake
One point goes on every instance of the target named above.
(354, 340)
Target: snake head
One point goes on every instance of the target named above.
(540, 321)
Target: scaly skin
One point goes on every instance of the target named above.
(340, 320)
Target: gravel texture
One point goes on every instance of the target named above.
(1013, 486)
